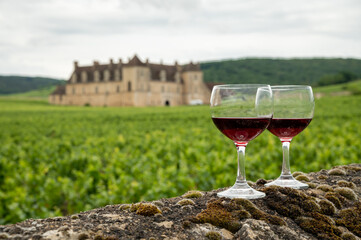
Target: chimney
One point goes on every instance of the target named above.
(95, 63)
(75, 65)
(111, 61)
(176, 63)
(161, 62)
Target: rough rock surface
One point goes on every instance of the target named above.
(329, 209)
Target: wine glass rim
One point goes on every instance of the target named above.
(241, 85)
(290, 86)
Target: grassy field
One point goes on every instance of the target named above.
(39, 94)
(58, 160)
(353, 87)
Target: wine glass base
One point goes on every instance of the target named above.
(241, 191)
(289, 182)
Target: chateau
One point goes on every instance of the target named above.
(135, 83)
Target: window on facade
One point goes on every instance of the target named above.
(73, 90)
(118, 89)
(162, 88)
(96, 89)
(129, 86)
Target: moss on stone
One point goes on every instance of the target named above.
(295, 174)
(217, 215)
(261, 181)
(134, 207)
(348, 236)
(302, 178)
(147, 209)
(319, 228)
(98, 237)
(346, 192)
(352, 168)
(285, 201)
(257, 213)
(343, 183)
(185, 202)
(242, 214)
(335, 198)
(187, 208)
(351, 219)
(126, 207)
(312, 185)
(307, 213)
(83, 236)
(325, 188)
(193, 194)
(337, 172)
(321, 217)
(74, 217)
(213, 235)
(4, 236)
(322, 177)
(327, 207)
(102, 237)
(310, 205)
(166, 209)
(158, 203)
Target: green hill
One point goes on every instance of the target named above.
(353, 87)
(20, 84)
(278, 71)
(37, 94)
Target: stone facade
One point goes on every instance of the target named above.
(135, 83)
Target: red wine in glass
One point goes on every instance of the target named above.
(241, 112)
(287, 128)
(241, 130)
(293, 111)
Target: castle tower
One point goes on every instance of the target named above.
(192, 83)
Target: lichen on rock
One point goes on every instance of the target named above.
(193, 194)
(148, 209)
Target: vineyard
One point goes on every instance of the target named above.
(57, 160)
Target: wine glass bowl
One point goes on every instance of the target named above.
(293, 111)
(241, 112)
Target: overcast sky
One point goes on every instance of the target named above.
(44, 37)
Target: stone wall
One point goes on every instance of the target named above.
(329, 209)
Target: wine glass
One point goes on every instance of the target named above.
(293, 111)
(241, 112)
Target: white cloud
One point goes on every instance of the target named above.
(43, 37)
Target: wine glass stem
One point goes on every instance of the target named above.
(241, 174)
(286, 170)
